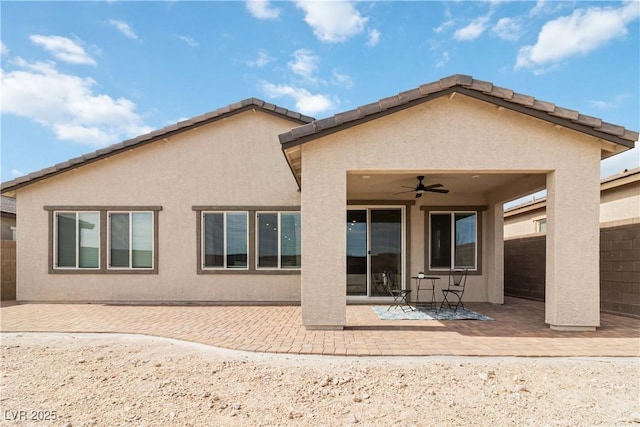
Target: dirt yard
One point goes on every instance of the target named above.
(121, 380)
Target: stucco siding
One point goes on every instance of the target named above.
(448, 135)
(232, 162)
(620, 203)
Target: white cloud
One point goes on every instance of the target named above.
(262, 9)
(124, 28)
(538, 8)
(306, 102)
(262, 60)
(189, 41)
(67, 105)
(443, 26)
(16, 173)
(305, 63)
(4, 50)
(473, 30)
(332, 21)
(443, 60)
(507, 29)
(63, 49)
(579, 33)
(343, 80)
(374, 37)
(608, 105)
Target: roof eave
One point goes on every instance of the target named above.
(9, 188)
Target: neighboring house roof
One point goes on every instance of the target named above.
(156, 135)
(463, 84)
(613, 181)
(8, 205)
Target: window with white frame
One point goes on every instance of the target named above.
(76, 240)
(225, 237)
(541, 225)
(131, 240)
(278, 240)
(453, 240)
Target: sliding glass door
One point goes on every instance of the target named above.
(375, 243)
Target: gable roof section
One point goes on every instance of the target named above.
(221, 113)
(8, 205)
(467, 85)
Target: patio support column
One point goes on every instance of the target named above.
(324, 242)
(573, 249)
(495, 249)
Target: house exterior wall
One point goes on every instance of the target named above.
(448, 135)
(236, 161)
(620, 203)
(619, 241)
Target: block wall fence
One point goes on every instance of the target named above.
(524, 261)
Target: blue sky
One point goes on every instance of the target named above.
(77, 76)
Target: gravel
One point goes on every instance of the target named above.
(130, 380)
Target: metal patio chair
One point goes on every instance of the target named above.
(399, 295)
(456, 286)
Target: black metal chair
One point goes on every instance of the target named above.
(399, 295)
(456, 286)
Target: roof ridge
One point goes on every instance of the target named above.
(473, 87)
(152, 136)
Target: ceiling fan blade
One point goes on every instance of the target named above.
(404, 186)
(402, 192)
(435, 190)
(433, 186)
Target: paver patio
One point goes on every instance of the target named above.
(518, 329)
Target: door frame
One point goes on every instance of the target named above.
(403, 248)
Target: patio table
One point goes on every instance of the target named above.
(421, 287)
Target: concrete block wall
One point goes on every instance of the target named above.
(620, 269)
(8, 272)
(524, 266)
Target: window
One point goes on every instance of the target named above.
(278, 240)
(103, 239)
(453, 240)
(131, 240)
(77, 240)
(225, 240)
(541, 225)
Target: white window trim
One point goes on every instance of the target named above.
(108, 243)
(453, 239)
(224, 241)
(55, 240)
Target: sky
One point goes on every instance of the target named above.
(78, 76)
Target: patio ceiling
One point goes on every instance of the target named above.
(376, 185)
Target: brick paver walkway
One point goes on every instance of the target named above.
(518, 329)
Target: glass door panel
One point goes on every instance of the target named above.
(385, 247)
(357, 252)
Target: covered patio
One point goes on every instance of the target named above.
(486, 146)
(518, 329)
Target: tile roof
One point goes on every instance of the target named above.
(467, 85)
(244, 105)
(8, 205)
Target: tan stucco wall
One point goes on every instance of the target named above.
(445, 135)
(232, 162)
(620, 203)
(617, 204)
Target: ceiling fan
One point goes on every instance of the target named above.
(421, 188)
